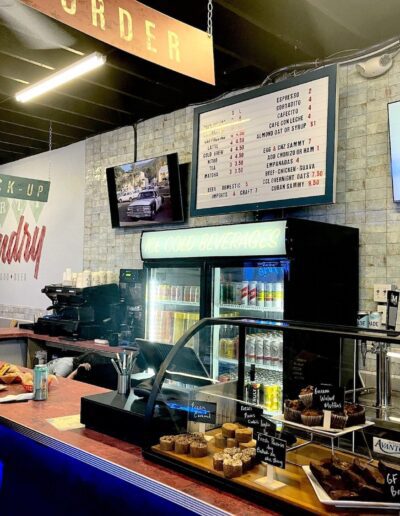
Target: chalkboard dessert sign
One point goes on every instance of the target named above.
(391, 475)
(271, 450)
(328, 397)
(203, 412)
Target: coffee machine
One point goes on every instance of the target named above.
(131, 286)
(81, 313)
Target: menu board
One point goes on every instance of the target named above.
(271, 147)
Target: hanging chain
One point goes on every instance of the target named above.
(210, 18)
(50, 136)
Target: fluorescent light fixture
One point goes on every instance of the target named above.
(81, 67)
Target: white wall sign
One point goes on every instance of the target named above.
(39, 240)
(267, 148)
(386, 447)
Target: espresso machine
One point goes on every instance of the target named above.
(131, 286)
(81, 313)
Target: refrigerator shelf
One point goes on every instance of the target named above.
(252, 308)
(247, 364)
(176, 303)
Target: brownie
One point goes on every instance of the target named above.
(353, 480)
(371, 493)
(337, 467)
(344, 494)
(333, 483)
(371, 474)
(319, 472)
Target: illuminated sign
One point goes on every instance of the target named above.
(255, 239)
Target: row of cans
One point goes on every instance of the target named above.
(369, 320)
(168, 326)
(265, 349)
(187, 293)
(253, 293)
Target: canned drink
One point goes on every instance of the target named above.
(222, 347)
(192, 294)
(244, 293)
(173, 293)
(186, 293)
(40, 385)
(197, 294)
(230, 348)
(259, 350)
(375, 320)
(179, 293)
(267, 350)
(167, 292)
(238, 293)
(251, 349)
(268, 295)
(230, 293)
(277, 301)
(274, 352)
(252, 292)
(363, 319)
(260, 293)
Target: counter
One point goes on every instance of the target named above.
(153, 487)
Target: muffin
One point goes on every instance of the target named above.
(244, 435)
(306, 395)
(198, 448)
(167, 442)
(355, 414)
(232, 467)
(292, 410)
(228, 430)
(182, 444)
(338, 420)
(218, 461)
(312, 417)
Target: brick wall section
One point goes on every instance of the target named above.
(364, 192)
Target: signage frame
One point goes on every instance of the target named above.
(332, 115)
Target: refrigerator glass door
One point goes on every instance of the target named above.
(254, 290)
(173, 302)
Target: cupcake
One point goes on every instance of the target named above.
(292, 410)
(312, 417)
(355, 414)
(198, 448)
(338, 420)
(167, 443)
(182, 444)
(306, 395)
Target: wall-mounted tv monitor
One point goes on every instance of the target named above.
(270, 147)
(394, 137)
(145, 193)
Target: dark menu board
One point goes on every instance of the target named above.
(270, 147)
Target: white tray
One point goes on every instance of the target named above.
(327, 432)
(324, 498)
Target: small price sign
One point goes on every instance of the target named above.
(328, 397)
(249, 415)
(391, 474)
(203, 412)
(271, 450)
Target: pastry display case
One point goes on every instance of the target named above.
(244, 428)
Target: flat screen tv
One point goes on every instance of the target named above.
(145, 193)
(269, 147)
(394, 137)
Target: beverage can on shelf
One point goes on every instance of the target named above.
(363, 319)
(186, 293)
(179, 293)
(193, 294)
(277, 301)
(173, 292)
(222, 293)
(267, 350)
(251, 349)
(230, 293)
(260, 293)
(252, 292)
(268, 295)
(167, 292)
(244, 293)
(259, 349)
(230, 349)
(238, 293)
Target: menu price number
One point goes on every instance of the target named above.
(271, 450)
(203, 412)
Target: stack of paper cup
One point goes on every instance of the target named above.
(79, 280)
(67, 277)
(86, 278)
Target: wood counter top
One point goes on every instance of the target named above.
(112, 455)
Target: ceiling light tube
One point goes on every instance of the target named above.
(63, 76)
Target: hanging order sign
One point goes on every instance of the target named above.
(271, 147)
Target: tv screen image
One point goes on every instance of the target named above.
(394, 134)
(145, 192)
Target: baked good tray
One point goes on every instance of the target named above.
(319, 430)
(324, 498)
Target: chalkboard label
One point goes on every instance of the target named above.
(249, 415)
(203, 412)
(271, 450)
(392, 480)
(266, 427)
(328, 397)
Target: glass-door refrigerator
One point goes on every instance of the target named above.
(291, 269)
